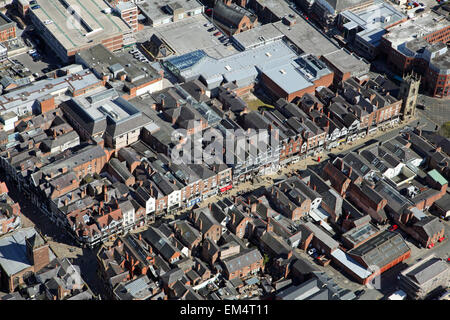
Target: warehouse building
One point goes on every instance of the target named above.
(280, 69)
(69, 26)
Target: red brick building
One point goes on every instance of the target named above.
(420, 45)
(7, 28)
(243, 264)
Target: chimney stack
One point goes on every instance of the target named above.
(105, 193)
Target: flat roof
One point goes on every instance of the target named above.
(94, 25)
(306, 38)
(42, 88)
(347, 63)
(414, 28)
(117, 109)
(187, 35)
(239, 66)
(310, 40)
(155, 9)
(280, 8)
(258, 36)
(298, 74)
(377, 16)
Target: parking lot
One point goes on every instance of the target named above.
(189, 35)
(427, 5)
(34, 66)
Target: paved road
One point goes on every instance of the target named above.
(436, 110)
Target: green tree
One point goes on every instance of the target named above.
(265, 259)
(445, 130)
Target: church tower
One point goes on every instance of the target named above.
(409, 91)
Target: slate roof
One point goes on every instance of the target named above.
(160, 242)
(278, 246)
(381, 250)
(431, 225)
(322, 236)
(427, 270)
(241, 260)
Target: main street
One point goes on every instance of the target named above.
(63, 245)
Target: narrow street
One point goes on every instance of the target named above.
(61, 244)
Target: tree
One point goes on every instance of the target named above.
(445, 130)
(87, 179)
(265, 259)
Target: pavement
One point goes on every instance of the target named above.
(436, 110)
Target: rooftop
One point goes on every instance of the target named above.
(414, 28)
(30, 93)
(13, 254)
(94, 24)
(157, 10)
(372, 20)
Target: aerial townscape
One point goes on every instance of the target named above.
(224, 150)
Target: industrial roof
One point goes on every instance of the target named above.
(84, 23)
(381, 250)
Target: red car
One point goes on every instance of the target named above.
(448, 259)
(393, 228)
(415, 4)
(218, 33)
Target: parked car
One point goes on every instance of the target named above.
(218, 33)
(32, 51)
(312, 251)
(393, 228)
(212, 29)
(359, 293)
